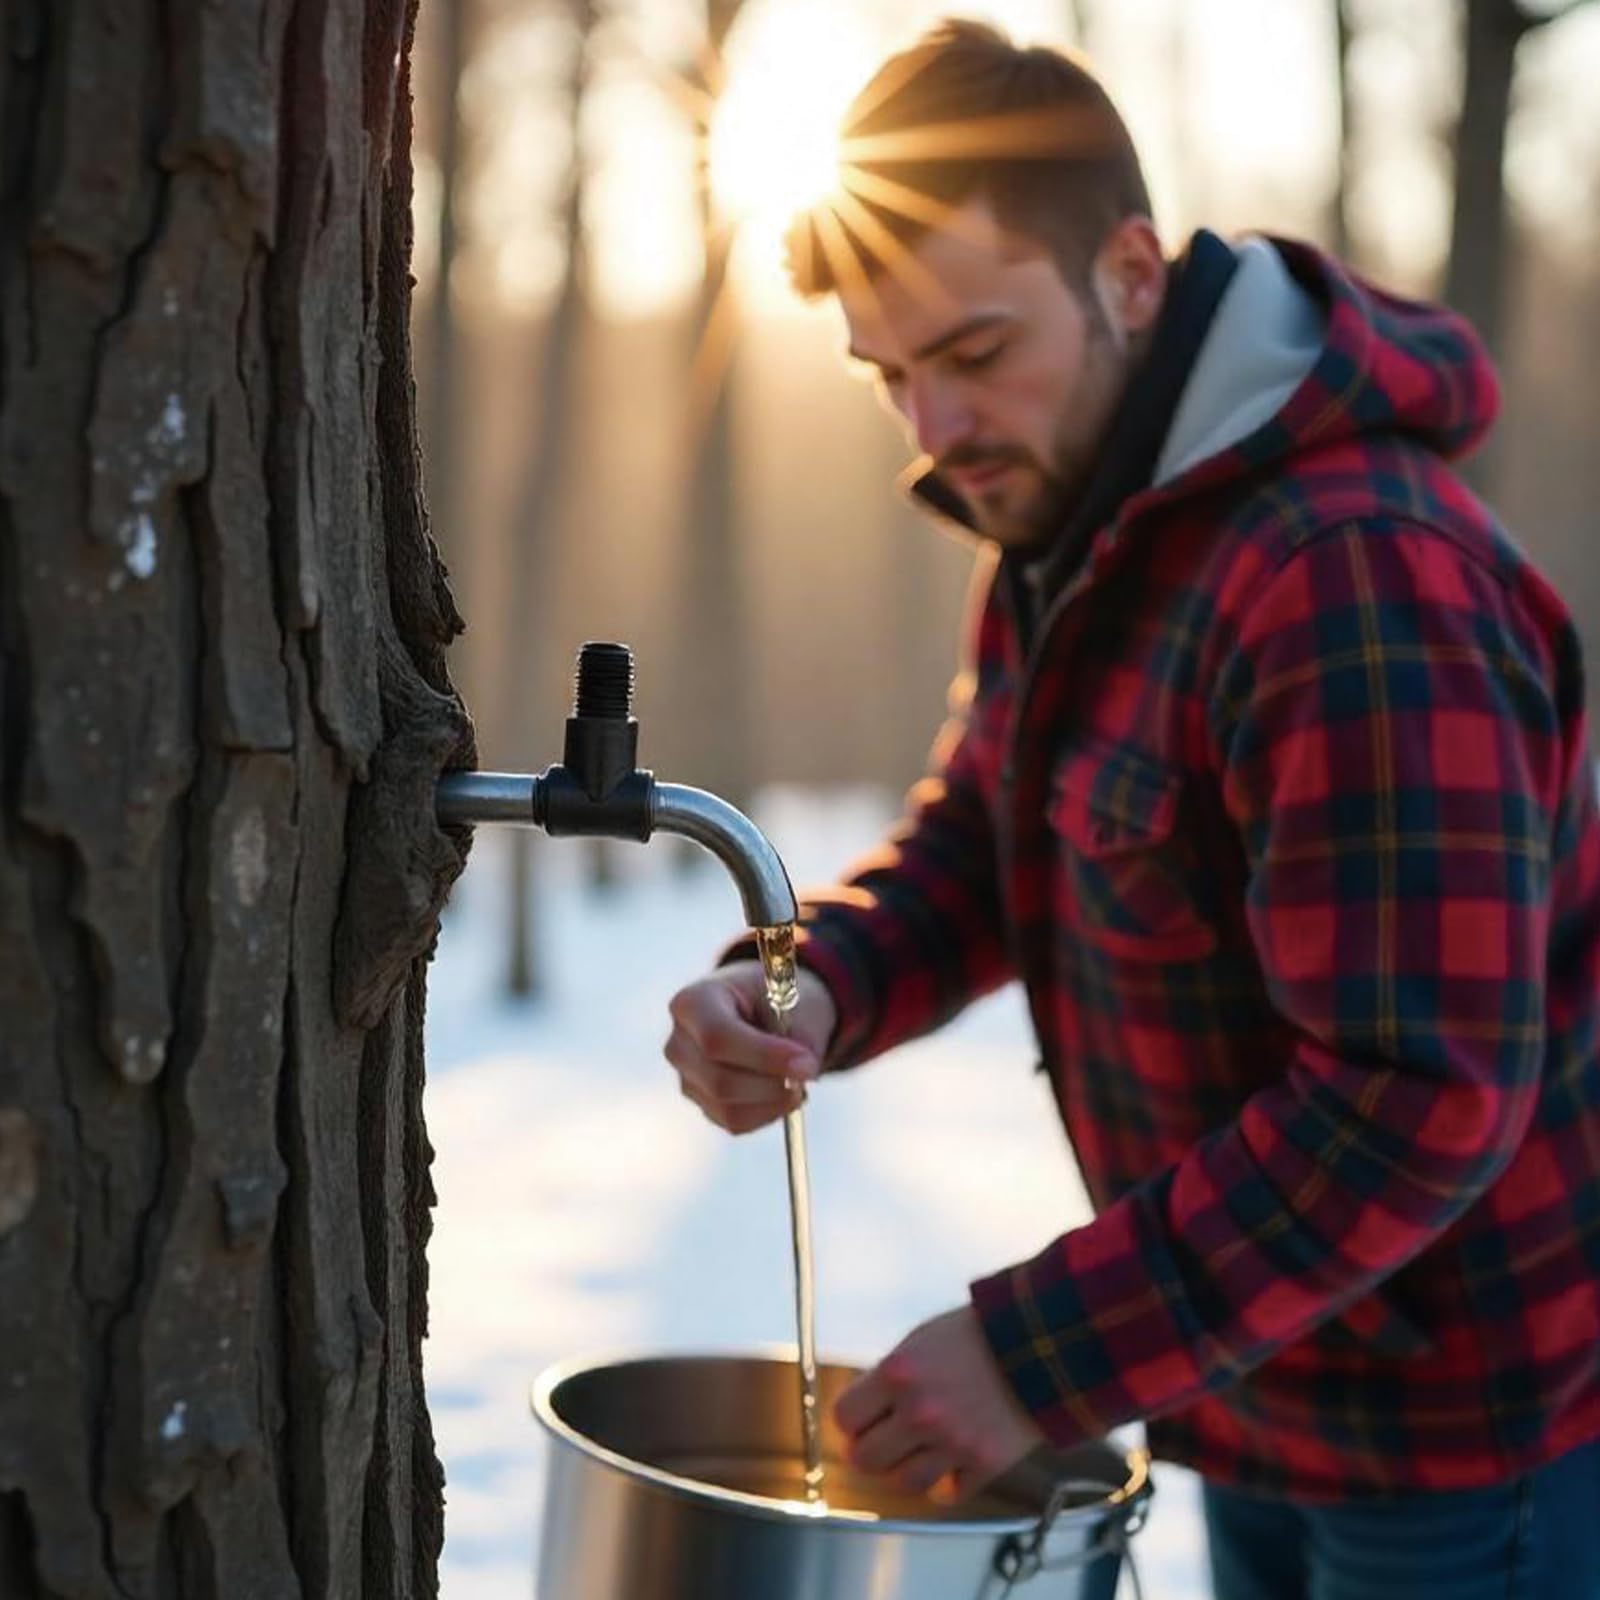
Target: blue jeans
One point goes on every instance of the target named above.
(1534, 1538)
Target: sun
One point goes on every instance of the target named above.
(792, 69)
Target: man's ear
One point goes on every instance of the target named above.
(1129, 278)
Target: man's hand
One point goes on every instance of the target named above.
(934, 1416)
(729, 1062)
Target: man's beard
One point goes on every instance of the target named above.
(1031, 522)
(1031, 525)
(1022, 515)
(997, 512)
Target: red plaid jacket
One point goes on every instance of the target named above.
(1287, 825)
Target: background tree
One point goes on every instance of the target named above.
(224, 711)
(710, 668)
(1475, 279)
(454, 22)
(1480, 227)
(1339, 234)
(548, 462)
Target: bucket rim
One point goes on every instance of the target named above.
(1123, 1499)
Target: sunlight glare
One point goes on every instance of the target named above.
(792, 69)
(643, 235)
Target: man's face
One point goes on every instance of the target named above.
(1005, 376)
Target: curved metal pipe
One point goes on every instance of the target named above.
(464, 798)
(736, 841)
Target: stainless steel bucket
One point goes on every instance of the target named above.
(639, 1503)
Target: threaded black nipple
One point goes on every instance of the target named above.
(604, 683)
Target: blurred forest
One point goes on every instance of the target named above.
(634, 432)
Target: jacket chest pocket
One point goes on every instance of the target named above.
(1126, 873)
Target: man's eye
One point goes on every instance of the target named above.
(975, 360)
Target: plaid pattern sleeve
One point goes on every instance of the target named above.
(1391, 753)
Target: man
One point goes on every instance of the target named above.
(1269, 781)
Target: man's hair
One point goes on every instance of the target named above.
(964, 112)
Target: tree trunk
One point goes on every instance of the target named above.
(1079, 24)
(709, 694)
(1475, 282)
(443, 388)
(1480, 229)
(222, 632)
(1339, 201)
(534, 516)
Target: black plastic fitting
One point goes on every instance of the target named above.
(598, 790)
(602, 745)
(563, 808)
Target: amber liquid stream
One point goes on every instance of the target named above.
(783, 993)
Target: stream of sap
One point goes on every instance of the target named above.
(783, 993)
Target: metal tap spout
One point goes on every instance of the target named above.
(598, 792)
(736, 842)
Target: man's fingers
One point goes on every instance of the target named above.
(884, 1446)
(862, 1403)
(740, 1118)
(938, 1394)
(741, 1076)
(734, 1043)
(726, 1084)
(925, 1472)
(709, 1015)
(733, 1085)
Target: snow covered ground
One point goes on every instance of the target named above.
(585, 1207)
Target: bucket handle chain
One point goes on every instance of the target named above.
(1021, 1557)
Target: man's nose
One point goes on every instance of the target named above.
(940, 418)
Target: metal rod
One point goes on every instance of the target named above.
(736, 841)
(467, 797)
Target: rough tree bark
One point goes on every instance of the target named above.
(223, 707)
